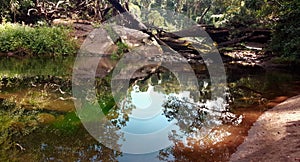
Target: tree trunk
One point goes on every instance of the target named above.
(130, 20)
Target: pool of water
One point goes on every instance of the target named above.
(47, 128)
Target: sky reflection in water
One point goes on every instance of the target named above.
(150, 129)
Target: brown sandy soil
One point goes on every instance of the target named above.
(275, 136)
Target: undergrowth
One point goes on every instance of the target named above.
(41, 40)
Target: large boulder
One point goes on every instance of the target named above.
(133, 38)
(94, 57)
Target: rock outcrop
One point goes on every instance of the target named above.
(275, 136)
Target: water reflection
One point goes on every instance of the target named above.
(73, 147)
(157, 120)
(58, 66)
(218, 145)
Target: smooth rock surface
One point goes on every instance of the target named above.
(275, 136)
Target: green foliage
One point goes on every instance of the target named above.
(36, 99)
(285, 40)
(12, 10)
(104, 95)
(192, 8)
(40, 40)
(106, 103)
(31, 11)
(155, 19)
(288, 60)
(6, 105)
(134, 9)
(214, 12)
(68, 124)
(36, 66)
(13, 122)
(122, 48)
(6, 142)
(234, 13)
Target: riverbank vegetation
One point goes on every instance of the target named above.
(23, 40)
(281, 17)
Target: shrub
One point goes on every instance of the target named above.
(285, 40)
(41, 40)
(122, 48)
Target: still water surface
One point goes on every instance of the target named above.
(200, 133)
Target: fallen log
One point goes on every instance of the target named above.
(234, 41)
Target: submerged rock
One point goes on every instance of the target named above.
(61, 106)
(45, 118)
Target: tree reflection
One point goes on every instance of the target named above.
(51, 145)
(200, 129)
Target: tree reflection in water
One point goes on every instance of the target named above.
(198, 134)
